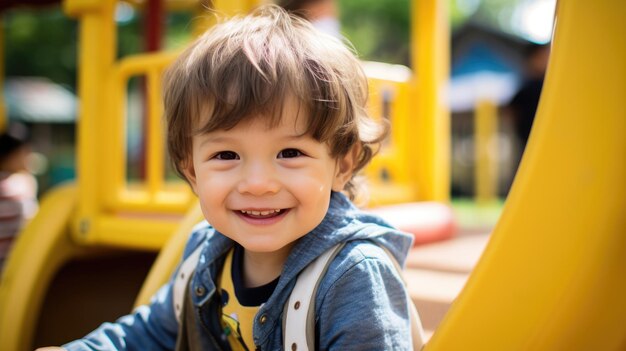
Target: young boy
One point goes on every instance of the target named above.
(267, 122)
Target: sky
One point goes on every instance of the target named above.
(533, 19)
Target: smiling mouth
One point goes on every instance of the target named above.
(261, 214)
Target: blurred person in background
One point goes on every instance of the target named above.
(323, 14)
(524, 103)
(18, 187)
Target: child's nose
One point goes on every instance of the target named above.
(259, 179)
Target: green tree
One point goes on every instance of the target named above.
(378, 29)
(40, 42)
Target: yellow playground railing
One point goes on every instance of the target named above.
(153, 195)
(486, 152)
(141, 213)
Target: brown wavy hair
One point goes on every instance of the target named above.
(249, 66)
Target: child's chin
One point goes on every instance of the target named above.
(265, 248)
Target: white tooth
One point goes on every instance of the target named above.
(260, 213)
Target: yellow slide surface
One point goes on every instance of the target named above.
(169, 256)
(553, 276)
(41, 248)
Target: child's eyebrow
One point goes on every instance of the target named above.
(211, 138)
(207, 138)
(296, 136)
(299, 137)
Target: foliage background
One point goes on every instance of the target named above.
(42, 41)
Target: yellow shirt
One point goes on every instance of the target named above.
(237, 320)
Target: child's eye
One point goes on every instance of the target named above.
(226, 155)
(289, 153)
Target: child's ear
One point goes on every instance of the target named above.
(190, 173)
(345, 167)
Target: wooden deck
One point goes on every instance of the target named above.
(436, 273)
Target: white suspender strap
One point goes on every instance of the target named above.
(182, 280)
(299, 313)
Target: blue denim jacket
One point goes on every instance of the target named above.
(360, 303)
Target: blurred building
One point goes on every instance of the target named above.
(49, 110)
(486, 64)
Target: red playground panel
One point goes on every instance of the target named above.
(427, 221)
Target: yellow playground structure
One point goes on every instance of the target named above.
(553, 276)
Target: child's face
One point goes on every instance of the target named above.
(265, 187)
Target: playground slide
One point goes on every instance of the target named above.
(553, 276)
